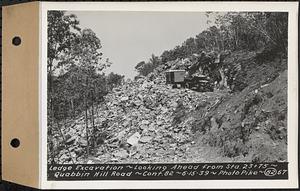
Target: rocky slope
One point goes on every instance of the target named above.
(142, 121)
(148, 121)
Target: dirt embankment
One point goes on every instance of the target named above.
(251, 124)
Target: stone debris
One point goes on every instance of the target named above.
(146, 139)
(148, 117)
(134, 139)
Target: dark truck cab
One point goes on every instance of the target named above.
(195, 82)
(175, 77)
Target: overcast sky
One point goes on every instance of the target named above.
(130, 37)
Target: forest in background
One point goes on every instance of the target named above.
(264, 32)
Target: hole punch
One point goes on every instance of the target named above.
(15, 143)
(16, 41)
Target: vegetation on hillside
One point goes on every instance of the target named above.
(75, 81)
(264, 32)
(100, 116)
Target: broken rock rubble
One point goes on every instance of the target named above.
(141, 115)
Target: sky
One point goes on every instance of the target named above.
(128, 38)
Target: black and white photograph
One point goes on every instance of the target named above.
(166, 87)
(150, 95)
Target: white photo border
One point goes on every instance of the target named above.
(291, 7)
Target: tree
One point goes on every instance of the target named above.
(139, 65)
(145, 68)
(88, 58)
(154, 60)
(75, 82)
(114, 80)
(253, 30)
(61, 32)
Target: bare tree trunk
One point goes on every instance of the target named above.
(72, 108)
(51, 107)
(87, 128)
(65, 116)
(236, 39)
(97, 110)
(93, 120)
(50, 141)
(86, 122)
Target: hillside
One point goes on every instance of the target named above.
(230, 103)
(148, 121)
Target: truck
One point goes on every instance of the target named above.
(196, 82)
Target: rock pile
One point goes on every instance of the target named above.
(142, 120)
